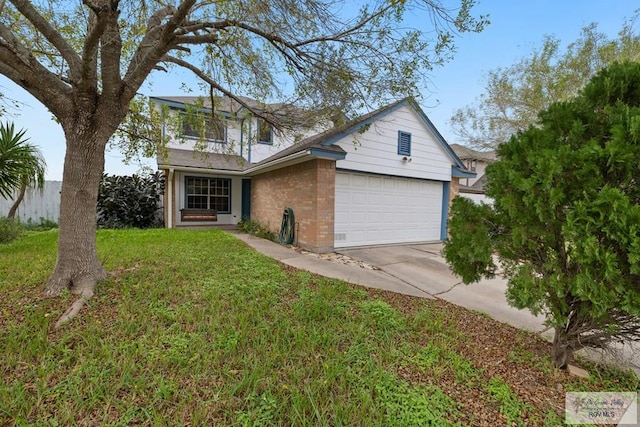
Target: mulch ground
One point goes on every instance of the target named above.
(493, 347)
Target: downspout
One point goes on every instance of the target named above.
(444, 218)
(170, 201)
(241, 137)
(249, 143)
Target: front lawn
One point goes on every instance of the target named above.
(194, 327)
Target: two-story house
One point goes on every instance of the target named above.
(474, 161)
(385, 177)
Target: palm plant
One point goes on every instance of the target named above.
(21, 165)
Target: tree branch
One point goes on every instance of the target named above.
(194, 27)
(195, 70)
(96, 26)
(43, 26)
(197, 39)
(17, 63)
(349, 31)
(155, 44)
(111, 51)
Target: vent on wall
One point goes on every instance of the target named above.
(340, 236)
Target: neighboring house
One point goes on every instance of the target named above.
(475, 161)
(385, 177)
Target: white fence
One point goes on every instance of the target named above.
(477, 198)
(37, 204)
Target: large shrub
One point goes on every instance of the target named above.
(565, 223)
(130, 201)
(10, 229)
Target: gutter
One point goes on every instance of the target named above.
(202, 170)
(242, 137)
(462, 172)
(291, 159)
(249, 143)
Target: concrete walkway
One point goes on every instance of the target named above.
(420, 270)
(370, 278)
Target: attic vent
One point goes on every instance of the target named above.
(340, 236)
(404, 143)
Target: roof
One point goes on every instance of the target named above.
(465, 153)
(193, 159)
(326, 139)
(480, 183)
(478, 187)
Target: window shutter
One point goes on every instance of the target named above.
(404, 143)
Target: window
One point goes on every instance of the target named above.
(194, 125)
(265, 132)
(473, 165)
(209, 193)
(404, 143)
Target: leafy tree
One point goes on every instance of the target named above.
(85, 61)
(515, 95)
(565, 223)
(21, 165)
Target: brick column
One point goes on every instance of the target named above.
(309, 189)
(454, 190)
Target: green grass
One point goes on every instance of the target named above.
(194, 327)
(510, 405)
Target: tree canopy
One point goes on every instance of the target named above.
(21, 163)
(565, 223)
(515, 95)
(87, 60)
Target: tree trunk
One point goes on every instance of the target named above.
(561, 351)
(16, 203)
(77, 266)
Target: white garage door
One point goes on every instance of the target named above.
(376, 209)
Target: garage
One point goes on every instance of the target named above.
(377, 209)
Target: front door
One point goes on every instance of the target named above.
(246, 200)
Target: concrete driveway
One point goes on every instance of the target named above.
(422, 266)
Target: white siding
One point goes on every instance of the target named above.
(376, 150)
(237, 141)
(37, 204)
(281, 140)
(223, 219)
(259, 151)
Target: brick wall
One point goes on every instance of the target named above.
(309, 189)
(454, 189)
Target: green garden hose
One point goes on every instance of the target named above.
(286, 234)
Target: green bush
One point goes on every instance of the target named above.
(44, 225)
(10, 229)
(256, 229)
(565, 222)
(130, 201)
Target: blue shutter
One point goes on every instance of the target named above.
(404, 143)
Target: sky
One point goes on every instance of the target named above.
(517, 27)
